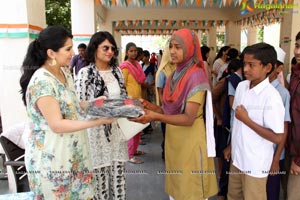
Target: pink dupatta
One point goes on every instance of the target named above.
(191, 74)
(135, 70)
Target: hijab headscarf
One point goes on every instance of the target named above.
(166, 67)
(189, 78)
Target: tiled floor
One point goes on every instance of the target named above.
(143, 181)
(3, 185)
(148, 186)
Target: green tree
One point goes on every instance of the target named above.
(204, 40)
(220, 40)
(260, 34)
(161, 42)
(58, 12)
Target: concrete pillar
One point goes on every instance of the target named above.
(117, 36)
(252, 35)
(233, 35)
(20, 23)
(83, 21)
(200, 35)
(212, 43)
(288, 31)
(106, 25)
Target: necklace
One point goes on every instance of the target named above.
(58, 75)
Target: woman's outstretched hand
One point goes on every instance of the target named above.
(150, 106)
(147, 117)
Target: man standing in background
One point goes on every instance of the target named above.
(78, 61)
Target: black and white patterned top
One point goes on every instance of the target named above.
(92, 85)
(107, 142)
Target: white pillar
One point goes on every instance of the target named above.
(212, 43)
(118, 39)
(233, 35)
(103, 24)
(288, 31)
(106, 25)
(252, 35)
(83, 21)
(20, 22)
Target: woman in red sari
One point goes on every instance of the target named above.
(189, 147)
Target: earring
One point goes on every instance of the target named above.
(53, 62)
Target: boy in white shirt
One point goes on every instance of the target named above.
(258, 123)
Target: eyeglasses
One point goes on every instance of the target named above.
(105, 48)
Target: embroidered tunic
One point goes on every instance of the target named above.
(90, 84)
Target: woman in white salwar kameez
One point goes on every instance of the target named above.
(107, 145)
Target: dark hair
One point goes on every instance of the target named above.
(294, 61)
(52, 37)
(220, 53)
(139, 51)
(264, 53)
(241, 56)
(278, 63)
(232, 54)
(146, 53)
(298, 36)
(204, 51)
(235, 65)
(81, 46)
(128, 45)
(97, 39)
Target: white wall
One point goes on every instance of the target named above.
(272, 34)
(12, 52)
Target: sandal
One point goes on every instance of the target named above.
(139, 153)
(135, 160)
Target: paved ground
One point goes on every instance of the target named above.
(147, 183)
(144, 182)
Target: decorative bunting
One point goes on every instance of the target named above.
(150, 31)
(198, 3)
(181, 3)
(163, 26)
(263, 18)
